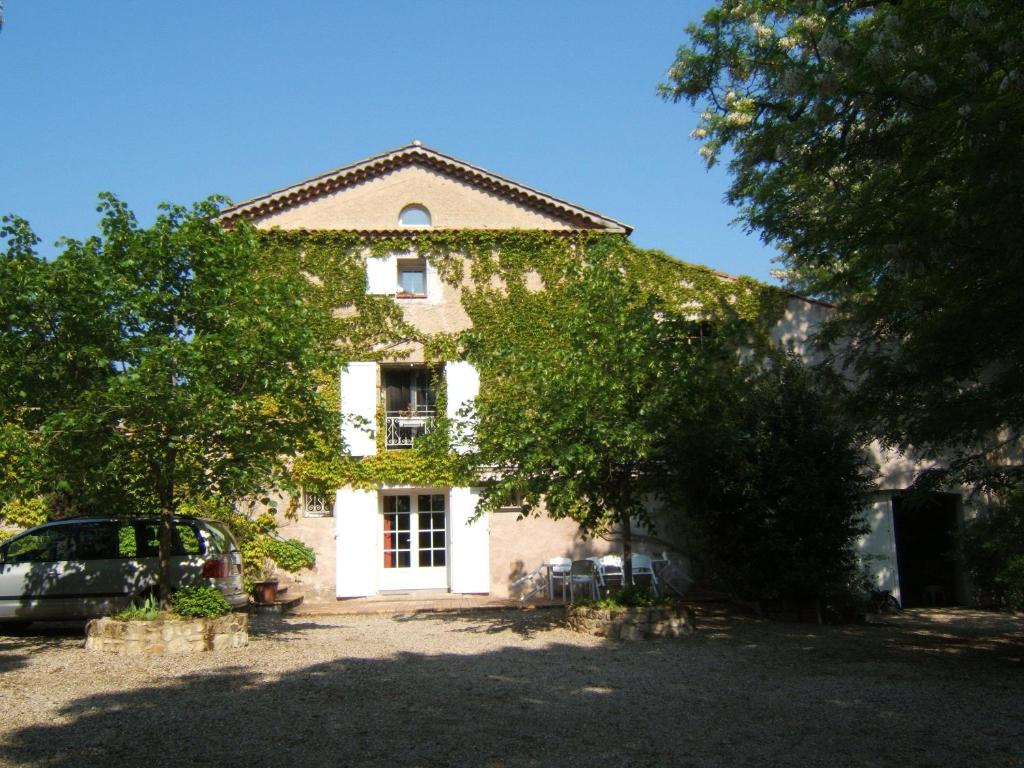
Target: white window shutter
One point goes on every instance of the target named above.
(356, 546)
(434, 285)
(877, 547)
(470, 544)
(463, 383)
(359, 408)
(382, 275)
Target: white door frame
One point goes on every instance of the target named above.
(414, 576)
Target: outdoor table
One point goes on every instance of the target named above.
(562, 570)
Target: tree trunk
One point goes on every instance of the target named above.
(166, 524)
(627, 552)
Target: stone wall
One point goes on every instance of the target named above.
(167, 635)
(632, 623)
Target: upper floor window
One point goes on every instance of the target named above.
(412, 278)
(414, 216)
(410, 404)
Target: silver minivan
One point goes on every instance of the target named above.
(95, 566)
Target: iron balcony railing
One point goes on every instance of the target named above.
(403, 427)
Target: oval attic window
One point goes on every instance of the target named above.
(414, 216)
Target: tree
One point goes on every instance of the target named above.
(879, 145)
(993, 551)
(151, 368)
(577, 380)
(603, 394)
(768, 481)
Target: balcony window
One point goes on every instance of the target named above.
(410, 404)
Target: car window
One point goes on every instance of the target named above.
(94, 541)
(189, 539)
(126, 545)
(184, 540)
(41, 546)
(217, 537)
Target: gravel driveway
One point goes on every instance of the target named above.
(512, 688)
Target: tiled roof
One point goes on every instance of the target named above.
(574, 215)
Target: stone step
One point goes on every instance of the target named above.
(280, 606)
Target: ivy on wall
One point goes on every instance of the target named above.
(501, 277)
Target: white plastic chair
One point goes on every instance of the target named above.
(609, 570)
(531, 583)
(583, 573)
(643, 565)
(558, 571)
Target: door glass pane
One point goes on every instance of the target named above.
(432, 533)
(414, 539)
(397, 539)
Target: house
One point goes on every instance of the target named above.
(400, 535)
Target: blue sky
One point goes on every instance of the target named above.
(177, 101)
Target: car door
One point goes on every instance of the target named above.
(187, 549)
(103, 576)
(70, 570)
(32, 574)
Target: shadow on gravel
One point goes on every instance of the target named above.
(17, 644)
(41, 630)
(928, 638)
(10, 660)
(277, 629)
(526, 623)
(742, 693)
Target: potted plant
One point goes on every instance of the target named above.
(264, 589)
(290, 554)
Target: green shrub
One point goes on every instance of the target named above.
(148, 611)
(291, 554)
(993, 549)
(630, 597)
(199, 602)
(24, 514)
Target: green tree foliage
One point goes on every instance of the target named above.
(147, 368)
(993, 548)
(602, 393)
(767, 481)
(575, 384)
(880, 145)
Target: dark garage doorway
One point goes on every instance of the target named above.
(924, 527)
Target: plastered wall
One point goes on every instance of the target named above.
(376, 203)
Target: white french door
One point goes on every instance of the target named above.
(414, 541)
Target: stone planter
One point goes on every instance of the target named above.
(167, 635)
(632, 623)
